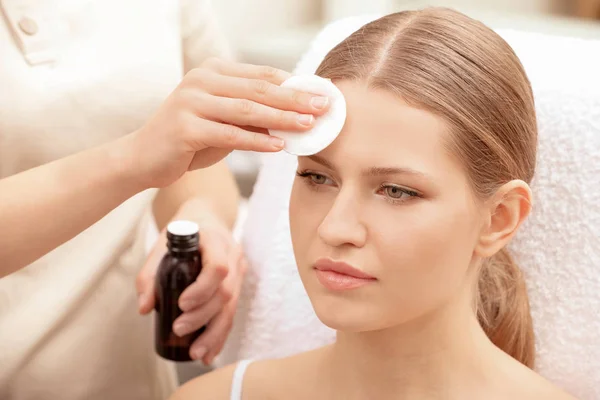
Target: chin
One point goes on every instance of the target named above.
(345, 313)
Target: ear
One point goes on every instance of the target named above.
(505, 212)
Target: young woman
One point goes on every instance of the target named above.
(399, 228)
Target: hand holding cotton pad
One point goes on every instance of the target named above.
(326, 127)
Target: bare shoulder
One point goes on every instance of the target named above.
(217, 383)
(519, 382)
(552, 392)
(257, 383)
(263, 380)
(275, 379)
(538, 387)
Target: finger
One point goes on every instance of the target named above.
(202, 291)
(266, 93)
(193, 320)
(247, 112)
(146, 276)
(231, 137)
(223, 328)
(249, 71)
(237, 264)
(212, 155)
(255, 129)
(210, 343)
(215, 268)
(216, 349)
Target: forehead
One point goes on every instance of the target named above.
(381, 129)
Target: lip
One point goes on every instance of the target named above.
(338, 276)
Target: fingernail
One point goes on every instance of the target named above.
(319, 102)
(198, 353)
(181, 328)
(276, 142)
(305, 119)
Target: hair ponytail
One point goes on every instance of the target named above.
(503, 308)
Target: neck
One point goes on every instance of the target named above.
(442, 355)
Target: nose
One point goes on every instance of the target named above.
(342, 224)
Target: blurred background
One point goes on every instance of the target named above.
(277, 32)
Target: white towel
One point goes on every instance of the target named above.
(558, 248)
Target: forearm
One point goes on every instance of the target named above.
(44, 207)
(206, 193)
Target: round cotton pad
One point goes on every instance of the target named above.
(326, 127)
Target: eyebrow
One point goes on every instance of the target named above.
(373, 171)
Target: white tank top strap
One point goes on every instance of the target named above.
(238, 379)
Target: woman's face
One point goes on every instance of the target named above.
(388, 200)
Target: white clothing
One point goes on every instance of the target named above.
(76, 74)
(237, 382)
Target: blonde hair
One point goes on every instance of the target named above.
(449, 64)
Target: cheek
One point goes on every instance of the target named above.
(306, 213)
(426, 249)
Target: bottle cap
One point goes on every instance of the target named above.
(183, 236)
(182, 228)
(326, 127)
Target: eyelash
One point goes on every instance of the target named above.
(307, 176)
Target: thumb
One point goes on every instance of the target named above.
(145, 279)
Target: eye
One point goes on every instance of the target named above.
(314, 178)
(397, 193)
(318, 179)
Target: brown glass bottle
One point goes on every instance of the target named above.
(178, 269)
